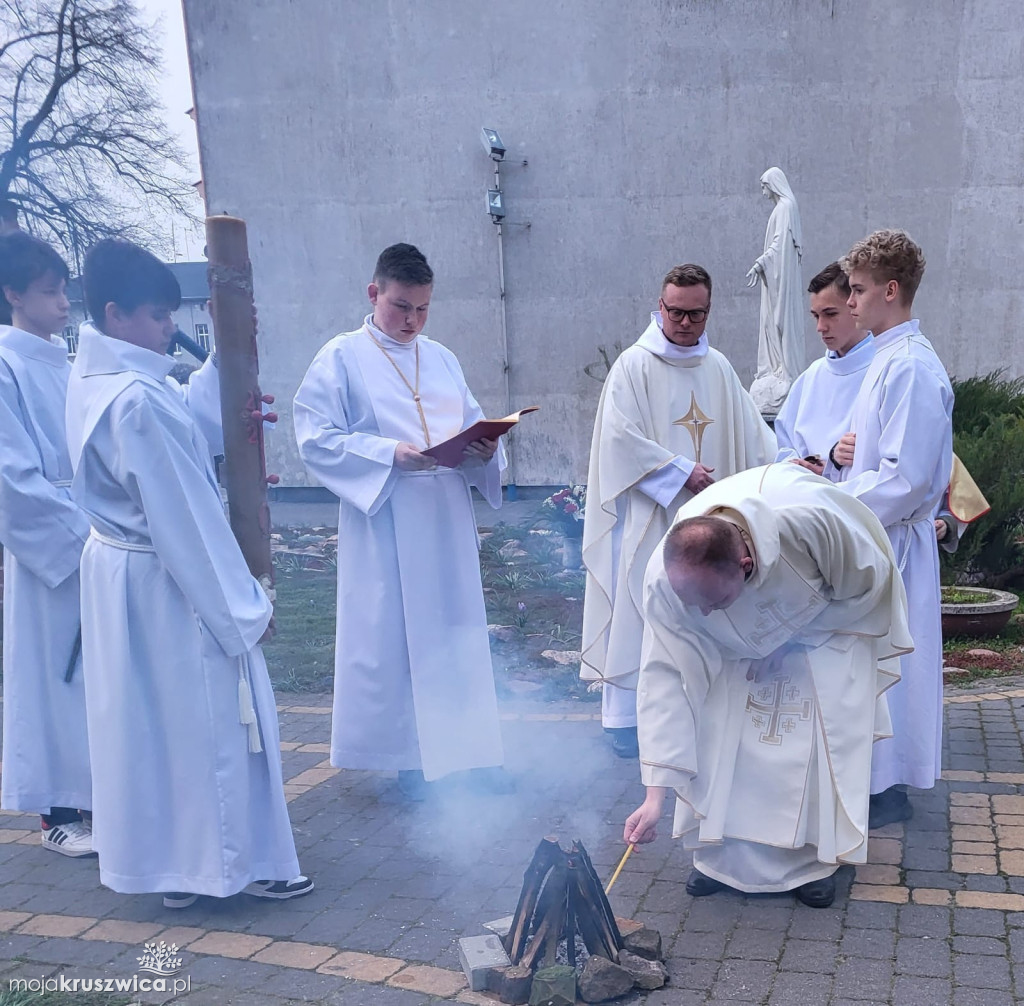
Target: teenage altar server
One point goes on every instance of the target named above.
(413, 685)
(188, 795)
(818, 407)
(900, 457)
(46, 746)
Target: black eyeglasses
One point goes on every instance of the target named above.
(677, 313)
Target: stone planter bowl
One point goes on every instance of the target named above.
(979, 618)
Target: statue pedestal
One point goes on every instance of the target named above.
(769, 392)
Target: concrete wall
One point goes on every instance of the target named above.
(636, 134)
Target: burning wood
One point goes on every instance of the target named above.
(561, 896)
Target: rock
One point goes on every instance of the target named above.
(562, 656)
(627, 926)
(503, 633)
(644, 943)
(982, 653)
(601, 980)
(554, 986)
(955, 673)
(648, 974)
(512, 985)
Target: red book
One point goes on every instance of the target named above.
(450, 453)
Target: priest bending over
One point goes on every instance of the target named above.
(774, 621)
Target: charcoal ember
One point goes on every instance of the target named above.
(644, 943)
(554, 986)
(646, 973)
(512, 984)
(602, 980)
(562, 957)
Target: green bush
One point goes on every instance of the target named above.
(988, 436)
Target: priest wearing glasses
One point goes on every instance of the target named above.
(673, 418)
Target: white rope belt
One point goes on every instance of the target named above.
(246, 710)
(61, 484)
(124, 546)
(908, 522)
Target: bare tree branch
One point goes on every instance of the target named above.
(84, 151)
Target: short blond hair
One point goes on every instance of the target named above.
(888, 255)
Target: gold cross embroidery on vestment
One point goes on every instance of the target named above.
(696, 422)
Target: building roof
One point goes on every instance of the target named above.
(191, 277)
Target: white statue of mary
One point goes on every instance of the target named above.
(780, 347)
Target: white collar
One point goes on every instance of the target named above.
(100, 354)
(857, 359)
(653, 340)
(385, 340)
(53, 351)
(905, 330)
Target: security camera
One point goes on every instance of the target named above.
(496, 204)
(492, 144)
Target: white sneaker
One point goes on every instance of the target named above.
(279, 889)
(72, 839)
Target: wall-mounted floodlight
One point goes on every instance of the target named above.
(496, 204)
(492, 144)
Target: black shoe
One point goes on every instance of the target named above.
(624, 742)
(700, 886)
(818, 893)
(492, 780)
(887, 807)
(412, 785)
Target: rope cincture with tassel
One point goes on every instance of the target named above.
(246, 709)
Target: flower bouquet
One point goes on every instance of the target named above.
(566, 508)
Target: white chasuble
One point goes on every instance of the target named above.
(819, 407)
(187, 787)
(413, 683)
(901, 467)
(45, 746)
(662, 408)
(771, 775)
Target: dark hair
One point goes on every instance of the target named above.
(687, 275)
(23, 260)
(703, 541)
(831, 275)
(404, 264)
(122, 273)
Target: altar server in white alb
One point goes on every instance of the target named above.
(413, 686)
(775, 620)
(818, 407)
(46, 746)
(673, 417)
(901, 439)
(187, 788)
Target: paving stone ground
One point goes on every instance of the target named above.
(936, 919)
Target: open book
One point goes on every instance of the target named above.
(450, 453)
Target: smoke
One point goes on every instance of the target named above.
(569, 784)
